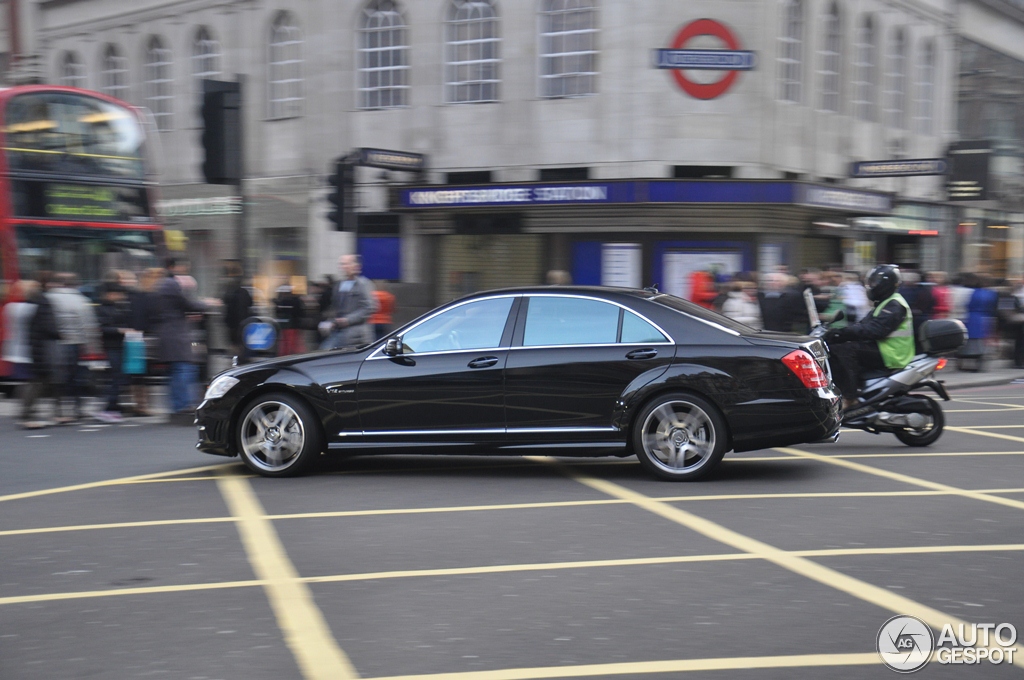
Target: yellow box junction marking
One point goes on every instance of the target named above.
(302, 623)
(797, 564)
(114, 482)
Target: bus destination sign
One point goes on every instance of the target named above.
(79, 201)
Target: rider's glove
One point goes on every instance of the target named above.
(834, 336)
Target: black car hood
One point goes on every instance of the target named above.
(297, 360)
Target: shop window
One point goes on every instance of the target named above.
(469, 177)
(702, 171)
(564, 174)
(570, 321)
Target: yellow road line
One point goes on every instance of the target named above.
(994, 435)
(861, 590)
(994, 427)
(114, 482)
(301, 622)
(510, 569)
(983, 410)
(917, 454)
(648, 667)
(907, 479)
(484, 508)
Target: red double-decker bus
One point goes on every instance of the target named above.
(75, 193)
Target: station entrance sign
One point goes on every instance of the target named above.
(678, 59)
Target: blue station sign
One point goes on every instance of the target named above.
(647, 191)
(706, 60)
(908, 167)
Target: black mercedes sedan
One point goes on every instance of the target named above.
(581, 371)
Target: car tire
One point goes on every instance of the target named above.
(278, 435)
(679, 437)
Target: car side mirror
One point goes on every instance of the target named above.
(393, 347)
(839, 316)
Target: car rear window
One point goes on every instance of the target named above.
(687, 307)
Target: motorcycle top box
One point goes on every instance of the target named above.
(941, 336)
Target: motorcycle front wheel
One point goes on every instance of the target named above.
(930, 433)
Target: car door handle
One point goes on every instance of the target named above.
(645, 353)
(483, 362)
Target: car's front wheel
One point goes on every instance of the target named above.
(679, 437)
(278, 435)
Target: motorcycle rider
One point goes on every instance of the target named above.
(882, 340)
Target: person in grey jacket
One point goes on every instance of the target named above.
(351, 306)
(79, 334)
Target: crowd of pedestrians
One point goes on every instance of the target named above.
(991, 309)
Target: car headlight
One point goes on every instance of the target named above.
(219, 387)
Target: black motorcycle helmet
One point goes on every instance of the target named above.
(883, 281)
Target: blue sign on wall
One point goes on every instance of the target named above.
(706, 60)
(907, 167)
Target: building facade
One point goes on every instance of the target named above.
(553, 139)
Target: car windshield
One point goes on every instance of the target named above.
(687, 307)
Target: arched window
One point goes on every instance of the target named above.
(72, 70)
(158, 82)
(383, 57)
(114, 73)
(285, 72)
(924, 111)
(865, 71)
(205, 65)
(831, 60)
(471, 52)
(896, 81)
(568, 48)
(791, 48)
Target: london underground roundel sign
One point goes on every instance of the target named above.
(731, 60)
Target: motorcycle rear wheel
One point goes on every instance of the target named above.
(926, 436)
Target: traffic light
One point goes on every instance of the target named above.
(222, 132)
(340, 198)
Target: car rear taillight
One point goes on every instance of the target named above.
(806, 368)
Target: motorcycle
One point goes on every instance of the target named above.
(888, 402)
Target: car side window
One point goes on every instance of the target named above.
(474, 325)
(570, 321)
(638, 331)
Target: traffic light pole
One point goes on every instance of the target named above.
(240, 222)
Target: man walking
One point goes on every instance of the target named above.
(79, 332)
(351, 306)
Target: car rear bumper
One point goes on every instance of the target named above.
(786, 418)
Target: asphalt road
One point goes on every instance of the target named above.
(126, 554)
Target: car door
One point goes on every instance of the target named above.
(571, 360)
(448, 380)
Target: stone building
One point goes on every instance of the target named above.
(552, 138)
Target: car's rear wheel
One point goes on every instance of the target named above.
(278, 435)
(679, 437)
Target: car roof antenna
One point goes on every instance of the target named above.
(652, 289)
